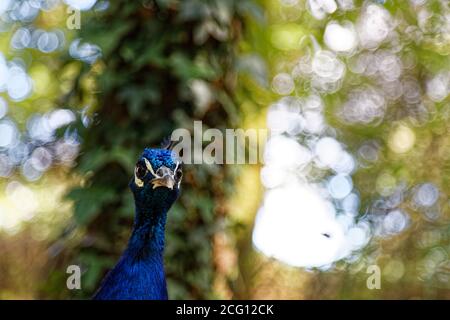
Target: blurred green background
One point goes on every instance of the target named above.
(79, 103)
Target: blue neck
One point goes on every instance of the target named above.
(147, 237)
(139, 274)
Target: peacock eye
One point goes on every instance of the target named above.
(141, 170)
(178, 174)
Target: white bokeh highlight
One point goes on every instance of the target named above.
(299, 222)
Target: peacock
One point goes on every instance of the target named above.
(139, 274)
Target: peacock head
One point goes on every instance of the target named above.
(157, 179)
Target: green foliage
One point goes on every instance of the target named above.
(89, 202)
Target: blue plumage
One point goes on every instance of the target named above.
(139, 274)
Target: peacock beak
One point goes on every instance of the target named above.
(166, 179)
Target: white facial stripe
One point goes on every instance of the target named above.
(138, 181)
(149, 167)
(179, 182)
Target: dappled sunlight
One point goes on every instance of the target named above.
(21, 204)
(354, 128)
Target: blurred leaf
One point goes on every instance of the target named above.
(89, 202)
